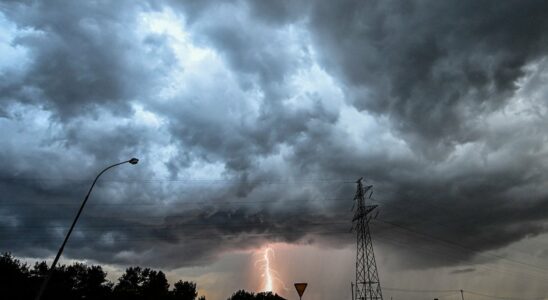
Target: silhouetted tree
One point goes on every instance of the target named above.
(129, 284)
(244, 295)
(268, 296)
(61, 284)
(137, 283)
(14, 278)
(80, 281)
(77, 281)
(184, 290)
(155, 285)
(90, 282)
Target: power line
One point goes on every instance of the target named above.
(191, 225)
(405, 290)
(501, 297)
(241, 224)
(269, 234)
(418, 291)
(198, 226)
(195, 180)
(463, 246)
(160, 203)
(446, 255)
(400, 226)
(450, 228)
(465, 218)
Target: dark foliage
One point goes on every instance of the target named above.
(15, 278)
(80, 281)
(244, 295)
(185, 290)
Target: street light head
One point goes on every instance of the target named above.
(133, 161)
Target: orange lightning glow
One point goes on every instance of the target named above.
(267, 271)
(269, 275)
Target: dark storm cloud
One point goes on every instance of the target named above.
(84, 71)
(82, 61)
(432, 67)
(436, 69)
(431, 80)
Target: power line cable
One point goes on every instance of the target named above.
(467, 248)
(501, 297)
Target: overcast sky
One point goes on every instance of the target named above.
(253, 119)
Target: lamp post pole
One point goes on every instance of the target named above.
(132, 161)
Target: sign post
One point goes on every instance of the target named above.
(300, 287)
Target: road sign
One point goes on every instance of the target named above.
(300, 287)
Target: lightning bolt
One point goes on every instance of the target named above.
(269, 275)
(268, 284)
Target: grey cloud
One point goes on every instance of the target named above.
(82, 61)
(85, 74)
(460, 271)
(429, 74)
(433, 67)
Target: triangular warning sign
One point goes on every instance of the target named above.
(300, 287)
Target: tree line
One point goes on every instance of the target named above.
(19, 281)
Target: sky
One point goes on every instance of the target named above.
(252, 121)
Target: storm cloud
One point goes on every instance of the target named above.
(252, 121)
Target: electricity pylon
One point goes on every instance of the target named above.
(367, 285)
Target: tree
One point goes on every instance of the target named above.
(90, 282)
(61, 284)
(77, 281)
(155, 286)
(137, 283)
(184, 290)
(242, 295)
(129, 284)
(268, 296)
(80, 281)
(15, 278)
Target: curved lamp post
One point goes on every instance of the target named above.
(132, 161)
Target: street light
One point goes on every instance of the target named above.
(132, 161)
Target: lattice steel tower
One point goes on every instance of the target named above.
(367, 286)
